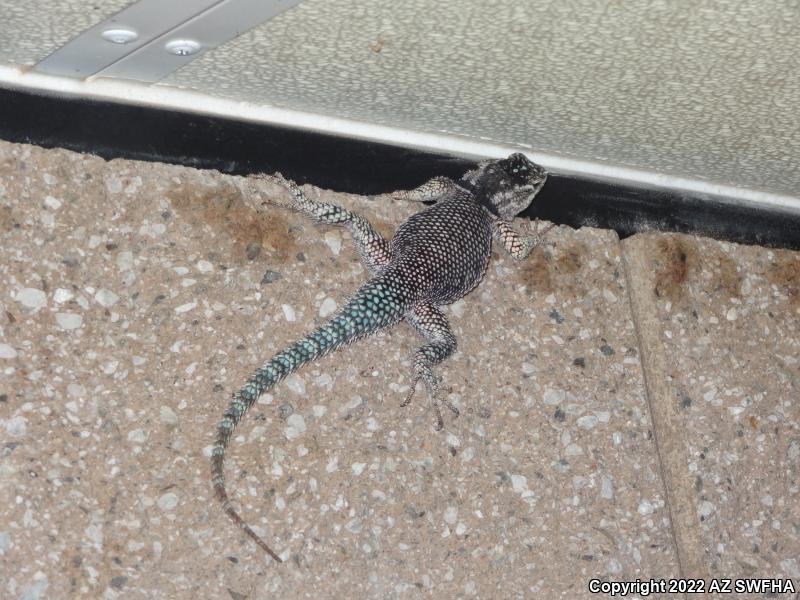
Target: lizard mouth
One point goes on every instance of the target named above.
(537, 186)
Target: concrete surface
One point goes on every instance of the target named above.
(718, 324)
(628, 410)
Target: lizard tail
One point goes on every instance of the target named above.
(376, 305)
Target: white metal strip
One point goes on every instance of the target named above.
(182, 44)
(172, 98)
(151, 38)
(129, 29)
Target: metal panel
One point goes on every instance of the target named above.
(151, 38)
(699, 95)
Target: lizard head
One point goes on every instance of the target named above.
(507, 185)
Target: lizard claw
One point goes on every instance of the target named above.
(533, 230)
(410, 394)
(451, 406)
(277, 179)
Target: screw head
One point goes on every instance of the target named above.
(182, 47)
(120, 35)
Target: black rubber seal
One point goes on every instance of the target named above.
(117, 130)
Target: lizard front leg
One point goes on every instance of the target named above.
(519, 245)
(430, 191)
(431, 324)
(371, 245)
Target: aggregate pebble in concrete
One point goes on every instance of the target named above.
(157, 290)
(723, 323)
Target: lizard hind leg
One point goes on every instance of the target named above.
(431, 324)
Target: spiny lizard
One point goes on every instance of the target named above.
(434, 258)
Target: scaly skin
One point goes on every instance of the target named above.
(435, 257)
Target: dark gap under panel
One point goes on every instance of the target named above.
(116, 130)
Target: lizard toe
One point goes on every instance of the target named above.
(411, 391)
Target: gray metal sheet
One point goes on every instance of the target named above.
(696, 93)
(161, 36)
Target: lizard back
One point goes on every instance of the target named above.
(443, 250)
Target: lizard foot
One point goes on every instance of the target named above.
(536, 236)
(432, 383)
(254, 189)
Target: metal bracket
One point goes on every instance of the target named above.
(152, 38)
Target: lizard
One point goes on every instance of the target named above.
(434, 258)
